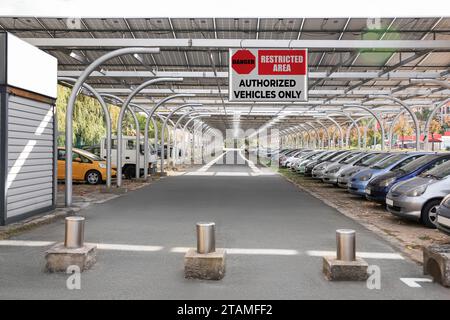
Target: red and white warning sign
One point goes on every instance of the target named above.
(277, 75)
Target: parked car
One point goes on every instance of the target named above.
(363, 163)
(287, 160)
(301, 165)
(86, 166)
(443, 218)
(333, 171)
(95, 149)
(419, 198)
(305, 158)
(378, 187)
(329, 157)
(359, 181)
(319, 169)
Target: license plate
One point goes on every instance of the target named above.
(444, 221)
(368, 191)
(389, 202)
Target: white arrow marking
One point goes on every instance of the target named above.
(413, 282)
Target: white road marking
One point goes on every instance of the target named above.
(25, 243)
(413, 282)
(232, 174)
(211, 163)
(247, 251)
(244, 251)
(368, 255)
(127, 247)
(197, 173)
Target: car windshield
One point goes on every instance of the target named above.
(316, 156)
(325, 155)
(414, 165)
(338, 157)
(388, 162)
(349, 158)
(374, 159)
(88, 155)
(439, 172)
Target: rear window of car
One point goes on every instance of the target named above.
(375, 159)
(389, 161)
(438, 172)
(414, 165)
(349, 158)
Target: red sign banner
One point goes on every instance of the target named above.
(282, 62)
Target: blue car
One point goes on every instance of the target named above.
(378, 187)
(358, 182)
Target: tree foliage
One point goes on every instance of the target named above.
(88, 119)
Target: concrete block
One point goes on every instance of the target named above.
(59, 258)
(338, 270)
(436, 262)
(209, 266)
(113, 190)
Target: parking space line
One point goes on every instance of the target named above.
(413, 282)
(247, 251)
(231, 174)
(367, 255)
(25, 243)
(243, 251)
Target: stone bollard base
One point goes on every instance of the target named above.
(337, 270)
(113, 190)
(436, 262)
(209, 266)
(59, 258)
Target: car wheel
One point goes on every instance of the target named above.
(93, 177)
(429, 213)
(130, 172)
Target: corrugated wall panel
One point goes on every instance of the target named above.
(30, 156)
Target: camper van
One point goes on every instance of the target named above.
(129, 155)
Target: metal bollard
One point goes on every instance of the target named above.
(346, 244)
(74, 237)
(206, 239)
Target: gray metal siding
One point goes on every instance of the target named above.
(31, 188)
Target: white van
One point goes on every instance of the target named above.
(129, 155)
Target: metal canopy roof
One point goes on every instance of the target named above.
(340, 72)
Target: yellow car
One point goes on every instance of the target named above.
(86, 166)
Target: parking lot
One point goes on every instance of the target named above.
(232, 152)
(274, 251)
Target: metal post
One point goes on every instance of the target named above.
(121, 115)
(74, 237)
(408, 109)
(164, 128)
(71, 103)
(206, 239)
(376, 116)
(184, 129)
(346, 245)
(107, 122)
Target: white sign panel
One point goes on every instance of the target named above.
(268, 75)
(30, 68)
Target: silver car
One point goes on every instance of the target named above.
(346, 174)
(334, 171)
(419, 198)
(318, 171)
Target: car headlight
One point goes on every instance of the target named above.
(366, 177)
(102, 165)
(386, 182)
(417, 191)
(446, 202)
(334, 170)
